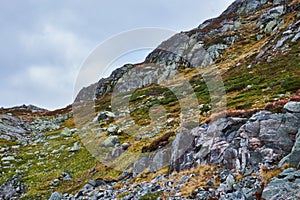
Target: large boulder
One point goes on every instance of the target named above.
(160, 159)
(141, 164)
(239, 143)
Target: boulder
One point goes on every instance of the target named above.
(56, 196)
(112, 128)
(160, 159)
(111, 141)
(180, 145)
(285, 186)
(292, 106)
(141, 164)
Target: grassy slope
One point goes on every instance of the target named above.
(245, 88)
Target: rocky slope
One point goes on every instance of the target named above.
(246, 145)
(230, 158)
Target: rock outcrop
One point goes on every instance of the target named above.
(251, 154)
(239, 146)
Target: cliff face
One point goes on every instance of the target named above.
(212, 113)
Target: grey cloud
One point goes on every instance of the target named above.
(60, 34)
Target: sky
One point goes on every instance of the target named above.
(43, 43)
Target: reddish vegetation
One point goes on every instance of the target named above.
(65, 110)
(233, 113)
(154, 145)
(275, 106)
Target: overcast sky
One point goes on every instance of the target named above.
(44, 42)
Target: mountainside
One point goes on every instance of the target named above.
(212, 113)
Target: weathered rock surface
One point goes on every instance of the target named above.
(285, 186)
(12, 189)
(239, 143)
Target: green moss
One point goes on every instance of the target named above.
(151, 196)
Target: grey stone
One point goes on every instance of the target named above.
(215, 50)
(223, 175)
(111, 141)
(8, 158)
(112, 128)
(125, 146)
(56, 196)
(66, 176)
(92, 183)
(296, 37)
(293, 158)
(270, 26)
(248, 6)
(203, 195)
(230, 181)
(160, 159)
(182, 142)
(292, 106)
(141, 164)
(75, 147)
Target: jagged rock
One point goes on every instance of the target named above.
(233, 196)
(117, 152)
(248, 6)
(13, 128)
(180, 145)
(297, 36)
(237, 143)
(66, 176)
(276, 2)
(216, 50)
(203, 195)
(230, 181)
(125, 146)
(285, 186)
(273, 13)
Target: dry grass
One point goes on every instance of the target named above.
(202, 175)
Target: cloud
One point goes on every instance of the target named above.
(44, 43)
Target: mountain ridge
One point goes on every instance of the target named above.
(250, 150)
